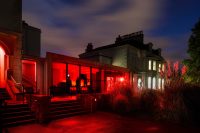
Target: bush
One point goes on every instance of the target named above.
(191, 98)
(121, 99)
(150, 101)
(180, 102)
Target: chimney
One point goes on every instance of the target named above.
(158, 51)
(89, 47)
(150, 45)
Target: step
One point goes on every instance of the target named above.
(4, 94)
(17, 118)
(59, 116)
(6, 114)
(66, 110)
(64, 107)
(17, 123)
(64, 102)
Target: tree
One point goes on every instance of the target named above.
(193, 64)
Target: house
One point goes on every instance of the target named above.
(130, 51)
(97, 70)
(22, 67)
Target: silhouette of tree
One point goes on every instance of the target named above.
(193, 64)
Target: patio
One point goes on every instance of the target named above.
(103, 122)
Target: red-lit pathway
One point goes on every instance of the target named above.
(102, 122)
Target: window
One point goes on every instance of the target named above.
(139, 83)
(73, 71)
(163, 67)
(154, 65)
(85, 72)
(154, 83)
(163, 83)
(159, 83)
(149, 82)
(59, 73)
(159, 67)
(150, 64)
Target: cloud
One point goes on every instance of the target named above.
(173, 47)
(67, 26)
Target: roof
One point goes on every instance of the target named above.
(133, 39)
(76, 61)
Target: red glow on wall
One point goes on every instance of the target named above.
(121, 79)
(2, 68)
(29, 69)
(73, 71)
(59, 73)
(109, 83)
(86, 71)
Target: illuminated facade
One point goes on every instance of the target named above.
(22, 68)
(129, 51)
(97, 70)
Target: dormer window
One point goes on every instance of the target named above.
(150, 62)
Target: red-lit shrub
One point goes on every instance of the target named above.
(121, 99)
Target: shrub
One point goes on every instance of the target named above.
(180, 102)
(150, 101)
(121, 99)
(174, 108)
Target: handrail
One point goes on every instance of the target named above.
(30, 81)
(33, 83)
(17, 85)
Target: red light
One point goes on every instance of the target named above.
(121, 79)
(2, 79)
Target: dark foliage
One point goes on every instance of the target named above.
(150, 101)
(193, 63)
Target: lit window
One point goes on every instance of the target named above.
(149, 82)
(149, 64)
(139, 83)
(163, 82)
(154, 65)
(163, 67)
(154, 83)
(159, 67)
(159, 83)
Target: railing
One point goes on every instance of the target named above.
(30, 82)
(18, 86)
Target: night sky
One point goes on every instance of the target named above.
(68, 25)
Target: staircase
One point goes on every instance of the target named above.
(62, 109)
(14, 115)
(4, 94)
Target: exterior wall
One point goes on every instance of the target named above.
(119, 56)
(31, 41)
(10, 34)
(40, 76)
(56, 58)
(11, 15)
(116, 56)
(16, 61)
(136, 59)
(105, 60)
